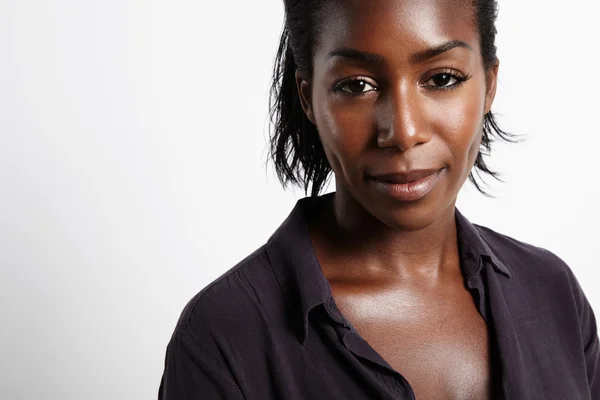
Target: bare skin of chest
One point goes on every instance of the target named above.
(433, 336)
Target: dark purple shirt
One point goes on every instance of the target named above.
(268, 328)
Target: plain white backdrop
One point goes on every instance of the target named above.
(132, 170)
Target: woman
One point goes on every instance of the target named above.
(383, 289)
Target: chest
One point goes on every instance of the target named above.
(437, 340)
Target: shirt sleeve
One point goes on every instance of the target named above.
(589, 334)
(192, 372)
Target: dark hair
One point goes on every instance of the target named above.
(295, 147)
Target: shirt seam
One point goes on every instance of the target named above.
(186, 331)
(287, 300)
(209, 287)
(574, 293)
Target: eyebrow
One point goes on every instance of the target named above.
(415, 58)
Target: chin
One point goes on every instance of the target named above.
(411, 220)
(412, 215)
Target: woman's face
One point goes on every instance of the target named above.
(397, 86)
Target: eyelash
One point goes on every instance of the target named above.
(459, 77)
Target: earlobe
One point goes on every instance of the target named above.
(304, 92)
(491, 83)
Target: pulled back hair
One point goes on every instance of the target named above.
(295, 147)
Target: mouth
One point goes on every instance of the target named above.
(406, 186)
(406, 177)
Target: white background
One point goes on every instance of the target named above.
(132, 152)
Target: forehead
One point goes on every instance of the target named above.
(395, 26)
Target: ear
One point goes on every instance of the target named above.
(305, 94)
(491, 83)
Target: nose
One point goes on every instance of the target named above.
(401, 119)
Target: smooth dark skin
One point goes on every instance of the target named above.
(394, 267)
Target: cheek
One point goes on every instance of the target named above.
(344, 128)
(458, 121)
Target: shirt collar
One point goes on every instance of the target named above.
(295, 263)
(471, 238)
(302, 282)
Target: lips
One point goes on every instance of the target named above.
(405, 177)
(406, 186)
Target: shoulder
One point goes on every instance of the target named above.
(233, 303)
(525, 260)
(545, 289)
(538, 274)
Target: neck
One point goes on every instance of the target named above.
(352, 240)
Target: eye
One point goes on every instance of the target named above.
(355, 87)
(446, 80)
